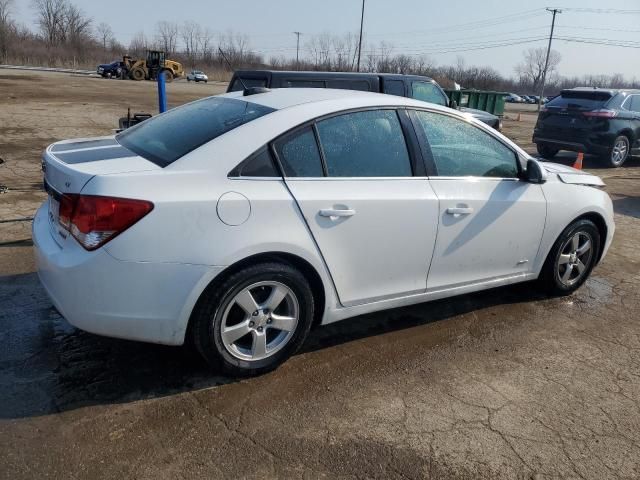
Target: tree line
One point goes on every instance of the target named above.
(67, 37)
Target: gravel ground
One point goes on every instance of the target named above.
(504, 383)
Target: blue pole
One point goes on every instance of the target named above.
(162, 93)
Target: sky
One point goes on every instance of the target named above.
(482, 32)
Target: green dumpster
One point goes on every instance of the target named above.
(492, 102)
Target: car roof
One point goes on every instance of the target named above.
(324, 74)
(282, 98)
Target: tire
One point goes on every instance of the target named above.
(137, 74)
(108, 75)
(561, 257)
(546, 151)
(219, 309)
(188, 79)
(168, 76)
(619, 152)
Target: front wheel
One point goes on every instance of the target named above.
(546, 151)
(254, 320)
(571, 259)
(619, 152)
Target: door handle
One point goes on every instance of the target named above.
(337, 212)
(459, 210)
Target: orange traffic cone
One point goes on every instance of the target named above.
(578, 162)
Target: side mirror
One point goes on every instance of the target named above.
(453, 104)
(535, 172)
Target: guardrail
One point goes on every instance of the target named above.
(48, 69)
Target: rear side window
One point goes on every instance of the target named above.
(259, 164)
(634, 103)
(428, 92)
(299, 155)
(165, 138)
(349, 85)
(580, 100)
(365, 144)
(237, 86)
(394, 87)
(304, 84)
(460, 149)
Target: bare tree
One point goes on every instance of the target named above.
(138, 45)
(77, 26)
(190, 33)
(6, 27)
(105, 34)
(531, 69)
(50, 16)
(167, 33)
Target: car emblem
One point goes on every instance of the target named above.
(67, 184)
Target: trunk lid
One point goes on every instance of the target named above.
(70, 164)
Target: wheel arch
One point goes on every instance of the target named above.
(628, 132)
(308, 270)
(600, 223)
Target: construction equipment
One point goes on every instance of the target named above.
(148, 69)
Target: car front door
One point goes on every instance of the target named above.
(374, 221)
(491, 222)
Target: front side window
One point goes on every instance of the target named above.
(165, 138)
(461, 149)
(298, 154)
(394, 87)
(364, 144)
(635, 103)
(428, 92)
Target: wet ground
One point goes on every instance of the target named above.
(505, 383)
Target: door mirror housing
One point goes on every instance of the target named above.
(535, 172)
(453, 104)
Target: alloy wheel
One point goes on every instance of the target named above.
(260, 320)
(619, 151)
(574, 259)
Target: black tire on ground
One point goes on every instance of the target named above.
(546, 151)
(108, 74)
(619, 152)
(168, 76)
(137, 74)
(550, 279)
(188, 79)
(208, 316)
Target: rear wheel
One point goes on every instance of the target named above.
(571, 258)
(137, 74)
(255, 320)
(619, 152)
(546, 151)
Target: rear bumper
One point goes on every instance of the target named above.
(598, 144)
(97, 293)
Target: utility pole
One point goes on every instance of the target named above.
(546, 62)
(298, 50)
(360, 41)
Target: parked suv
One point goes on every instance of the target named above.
(603, 122)
(412, 86)
(110, 70)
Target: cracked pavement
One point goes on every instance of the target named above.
(501, 384)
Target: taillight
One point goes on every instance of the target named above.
(94, 220)
(603, 113)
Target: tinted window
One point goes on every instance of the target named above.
(635, 103)
(258, 165)
(461, 149)
(394, 87)
(349, 85)
(580, 100)
(428, 92)
(304, 83)
(299, 155)
(165, 138)
(365, 144)
(237, 86)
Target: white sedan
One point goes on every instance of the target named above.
(197, 76)
(239, 221)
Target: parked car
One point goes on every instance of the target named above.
(513, 98)
(221, 221)
(197, 76)
(604, 122)
(413, 86)
(110, 70)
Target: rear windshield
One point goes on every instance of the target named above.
(580, 100)
(237, 86)
(167, 137)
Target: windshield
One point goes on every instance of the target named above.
(165, 138)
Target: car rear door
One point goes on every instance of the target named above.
(374, 221)
(491, 222)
